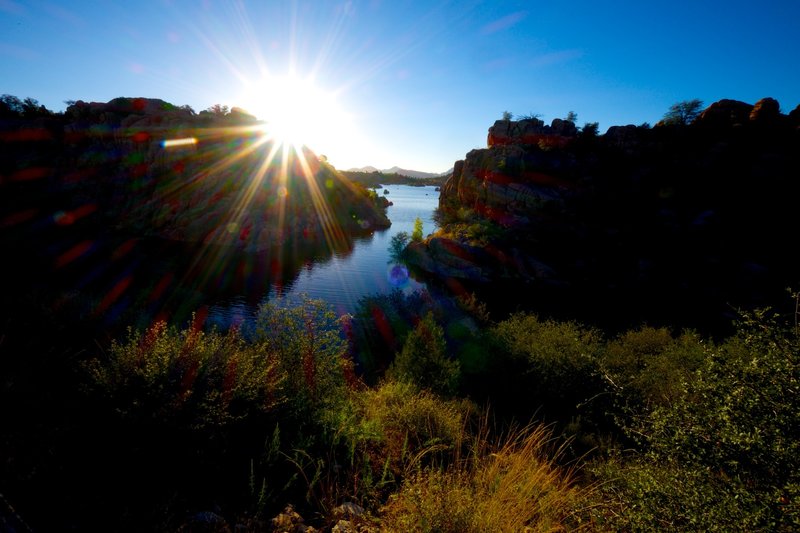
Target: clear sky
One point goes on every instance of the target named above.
(408, 83)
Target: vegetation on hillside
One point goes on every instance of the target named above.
(645, 427)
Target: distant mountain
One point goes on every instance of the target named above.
(402, 171)
(363, 169)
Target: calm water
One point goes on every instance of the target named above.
(343, 278)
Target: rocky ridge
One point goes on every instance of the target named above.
(222, 184)
(678, 211)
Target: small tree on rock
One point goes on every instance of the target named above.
(683, 113)
(416, 235)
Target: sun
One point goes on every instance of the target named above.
(296, 112)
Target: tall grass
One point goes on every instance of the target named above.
(512, 484)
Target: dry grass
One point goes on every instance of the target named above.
(513, 485)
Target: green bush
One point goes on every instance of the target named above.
(424, 360)
(643, 495)
(646, 367)
(558, 361)
(191, 377)
(724, 452)
(410, 420)
(310, 352)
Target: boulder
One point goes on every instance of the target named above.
(766, 110)
(515, 131)
(794, 115)
(564, 128)
(290, 521)
(623, 137)
(725, 113)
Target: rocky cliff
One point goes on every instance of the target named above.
(669, 214)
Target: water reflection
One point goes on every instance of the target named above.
(344, 277)
(90, 276)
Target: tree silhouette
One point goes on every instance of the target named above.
(683, 113)
(218, 110)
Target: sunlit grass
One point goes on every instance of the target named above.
(510, 485)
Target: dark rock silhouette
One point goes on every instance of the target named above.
(676, 223)
(220, 182)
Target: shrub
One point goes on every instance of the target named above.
(646, 367)
(198, 379)
(380, 325)
(424, 360)
(639, 494)
(723, 453)
(310, 351)
(558, 359)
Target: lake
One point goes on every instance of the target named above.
(344, 277)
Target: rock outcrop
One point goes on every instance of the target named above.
(695, 212)
(531, 131)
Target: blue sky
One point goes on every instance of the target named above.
(412, 83)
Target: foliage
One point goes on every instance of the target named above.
(733, 432)
(647, 367)
(642, 495)
(507, 115)
(379, 327)
(310, 352)
(572, 116)
(558, 362)
(397, 246)
(464, 224)
(11, 106)
(424, 360)
(416, 235)
(683, 113)
(414, 426)
(189, 377)
(218, 110)
(590, 129)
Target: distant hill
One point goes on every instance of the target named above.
(403, 172)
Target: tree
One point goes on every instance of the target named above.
(683, 113)
(590, 129)
(424, 361)
(572, 116)
(10, 105)
(218, 110)
(397, 246)
(507, 115)
(416, 235)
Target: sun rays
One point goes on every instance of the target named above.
(278, 189)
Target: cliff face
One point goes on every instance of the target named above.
(696, 211)
(147, 167)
